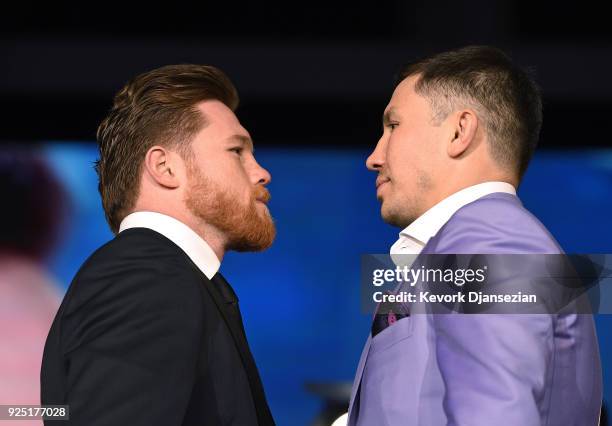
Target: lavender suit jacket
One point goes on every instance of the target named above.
(477, 370)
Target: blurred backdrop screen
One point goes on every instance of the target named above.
(300, 299)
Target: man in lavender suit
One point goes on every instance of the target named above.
(459, 132)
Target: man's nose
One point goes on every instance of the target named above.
(262, 176)
(377, 158)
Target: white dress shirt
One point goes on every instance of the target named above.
(180, 234)
(414, 237)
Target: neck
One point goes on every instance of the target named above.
(209, 233)
(457, 186)
(213, 237)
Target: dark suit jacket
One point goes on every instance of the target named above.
(144, 338)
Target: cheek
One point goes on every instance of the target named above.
(237, 178)
(223, 174)
(402, 158)
(421, 150)
(231, 170)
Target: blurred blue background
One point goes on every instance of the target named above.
(300, 299)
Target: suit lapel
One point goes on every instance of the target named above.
(361, 366)
(233, 326)
(264, 416)
(358, 375)
(261, 406)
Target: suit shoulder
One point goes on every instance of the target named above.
(137, 263)
(136, 249)
(498, 223)
(133, 244)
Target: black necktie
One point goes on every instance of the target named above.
(225, 289)
(231, 299)
(228, 294)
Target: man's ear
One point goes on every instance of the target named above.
(465, 124)
(161, 166)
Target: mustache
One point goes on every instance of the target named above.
(260, 193)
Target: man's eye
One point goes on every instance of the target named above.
(392, 125)
(237, 150)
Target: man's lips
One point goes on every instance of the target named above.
(262, 195)
(381, 181)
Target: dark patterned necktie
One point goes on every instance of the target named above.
(388, 314)
(231, 299)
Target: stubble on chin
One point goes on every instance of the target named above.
(397, 216)
(401, 211)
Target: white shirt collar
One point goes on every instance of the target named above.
(180, 234)
(414, 237)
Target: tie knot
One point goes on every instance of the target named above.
(224, 288)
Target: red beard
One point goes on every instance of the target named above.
(247, 227)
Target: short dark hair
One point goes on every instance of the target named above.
(154, 108)
(504, 96)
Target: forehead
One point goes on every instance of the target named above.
(220, 120)
(404, 97)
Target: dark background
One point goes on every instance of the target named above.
(316, 72)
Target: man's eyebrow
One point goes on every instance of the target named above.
(387, 116)
(245, 140)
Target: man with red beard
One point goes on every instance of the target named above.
(149, 332)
